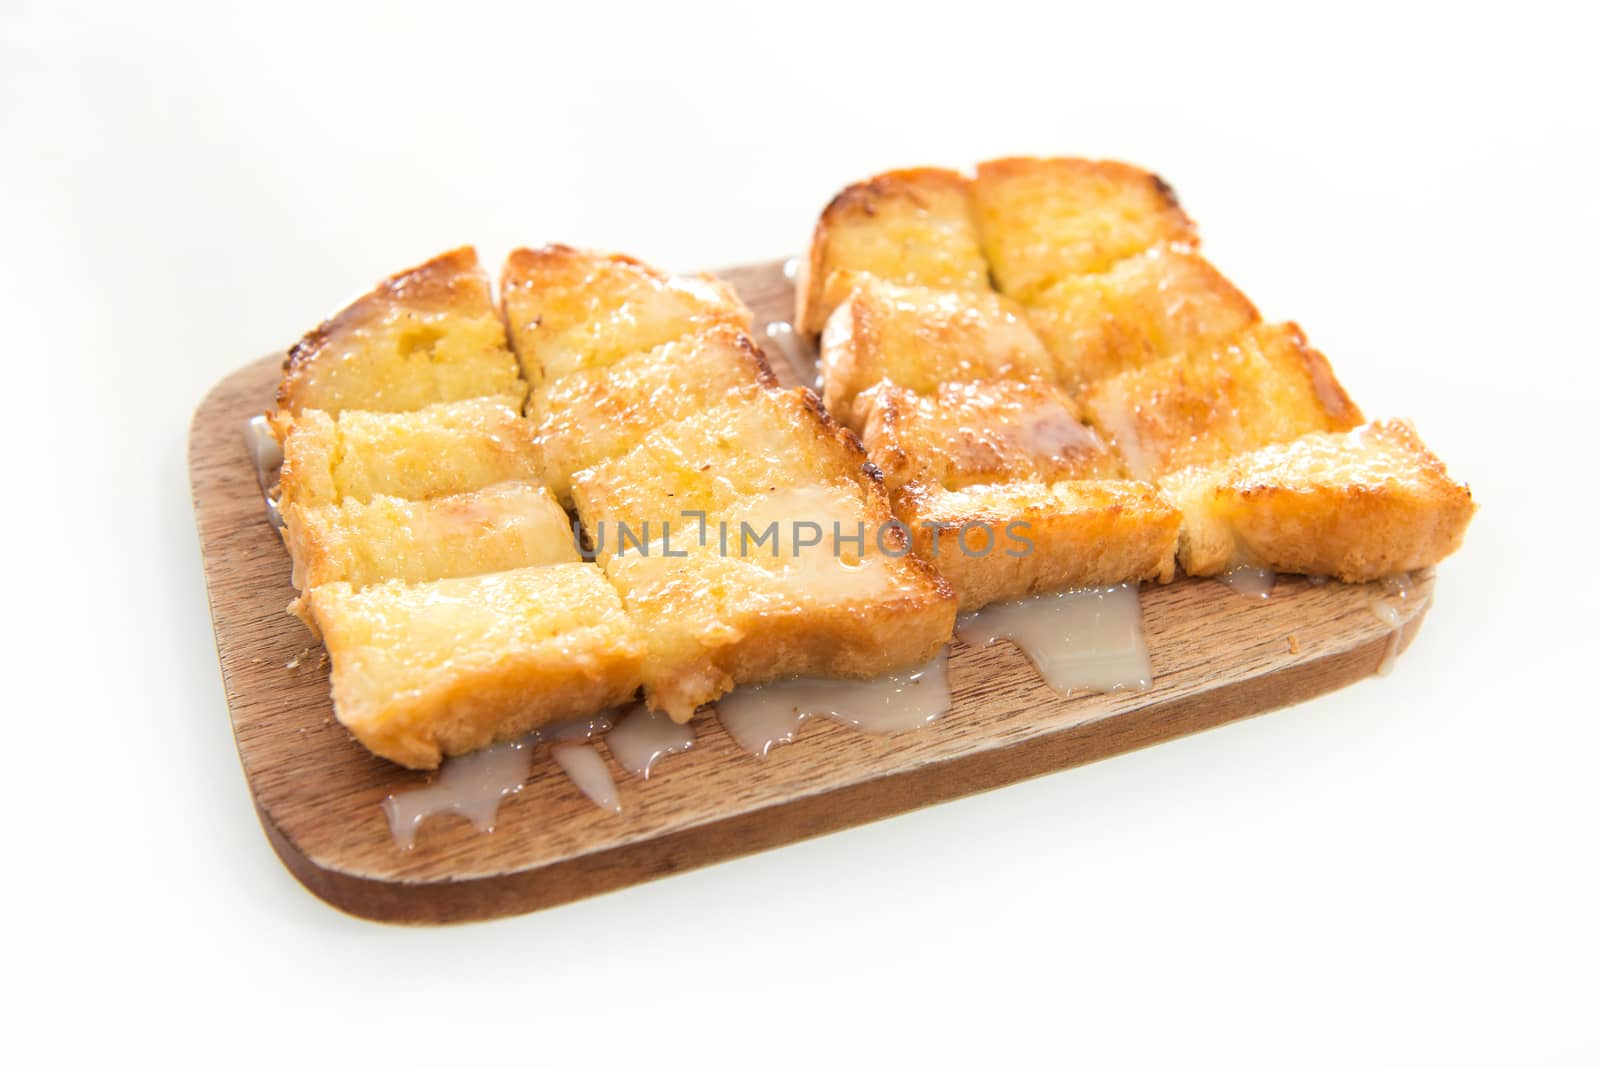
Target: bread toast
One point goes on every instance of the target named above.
(431, 452)
(423, 671)
(1009, 539)
(1044, 221)
(1357, 506)
(913, 227)
(424, 336)
(498, 528)
(1162, 302)
(569, 309)
(979, 432)
(917, 338)
(601, 412)
(706, 462)
(1266, 385)
(697, 526)
(804, 579)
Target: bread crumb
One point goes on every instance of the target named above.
(1294, 644)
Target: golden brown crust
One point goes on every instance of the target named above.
(1266, 385)
(431, 452)
(426, 335)
(598, 413)
(527, 647)
(568, 309)
(917, 338)
(1161, 303)
(981, 432)
(709, 461)
(496, 528)
(1005, 540)
(1045, 220)
(724, 615)
(1357, 506)
(912, 226)
(451, 281)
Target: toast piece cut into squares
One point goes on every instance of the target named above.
(913, 227)
(569, 309)
(757, 443)
(497, 528)
(425, 336)
(976, 432)
(1011, 539)
(1160, 303)
(431, 452)
(1266, 385)
(600, 412)
(918, 338)
(1358, 506)
(434, 669)
(806, 579)
(1043, 221)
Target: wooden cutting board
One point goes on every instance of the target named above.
(1216, 657)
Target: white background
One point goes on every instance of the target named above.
(1402, 873)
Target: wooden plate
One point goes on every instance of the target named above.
(1216, 656)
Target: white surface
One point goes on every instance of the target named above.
(1403, 873)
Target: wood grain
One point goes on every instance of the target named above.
(1216, 657)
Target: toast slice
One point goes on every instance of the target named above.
(913, 227)
(425, 671)
(1160, 303)
(968, 433)
(1264, 386)
(752, 541)
(427, 335)
(1357, 506)
(569, 309)
(702, 465)
(917, 338)
(600, 412)
(498, 528)
(1045, 221)
(434, 451)
(1009, 539)
(805, 579)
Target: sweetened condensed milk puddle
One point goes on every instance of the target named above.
(1251, 583)
(587, 769)
(1395, 587)
(474, 785)
(760, 718)
(1080, 640)
(642, 738)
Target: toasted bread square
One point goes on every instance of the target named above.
(914, 227)
(918, 338)
(1264, 386)
(498, 528)
(570, 309)
(1043, 221)
(755, 443)
(977, 432)
(1357, 506)
(1160, 303)
(439, 668)
(424, 336)
(600, 412)
(807, 579)
(431, 452)
(999, 541)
